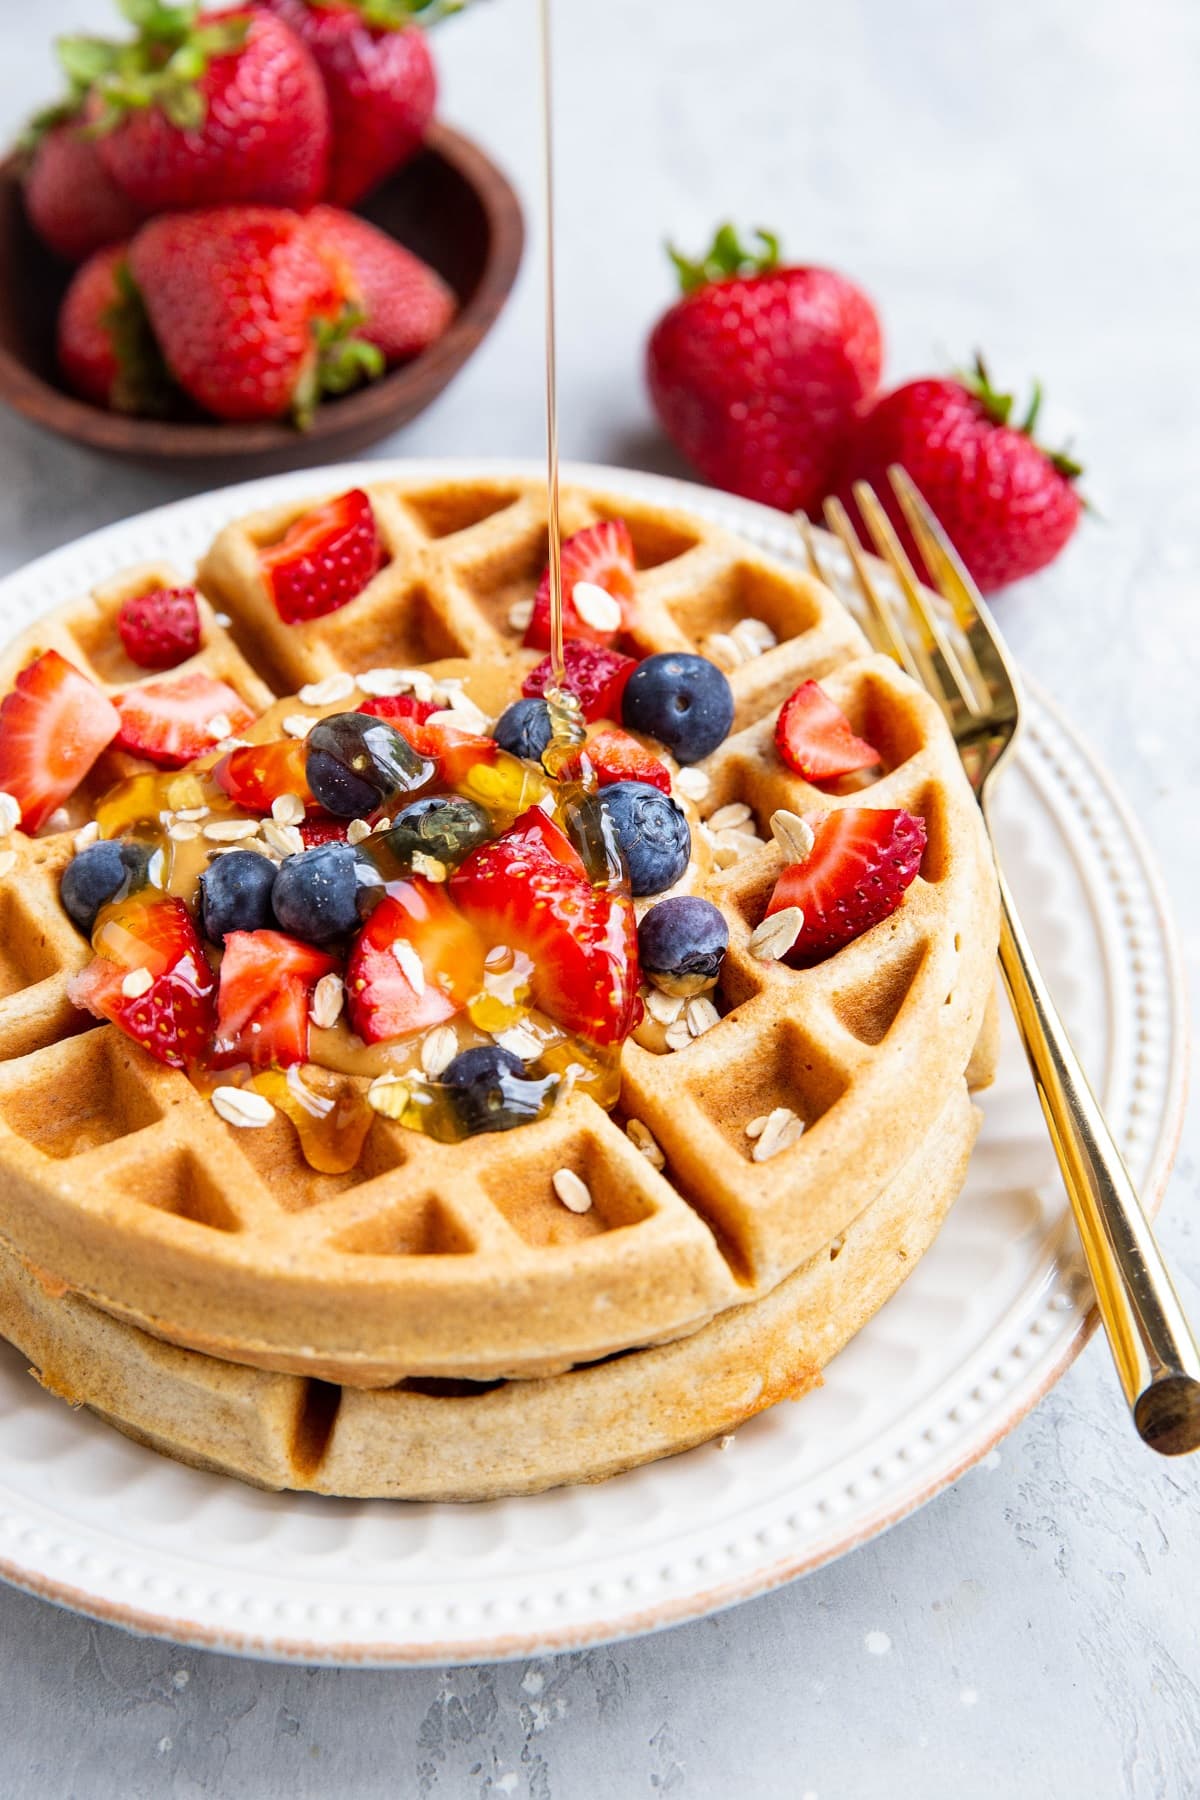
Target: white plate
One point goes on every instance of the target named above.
(988, 1321)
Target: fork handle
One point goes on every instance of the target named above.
(1151, 1340)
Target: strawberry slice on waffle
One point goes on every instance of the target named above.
(324, 560)
(265, 991)
(171, 723)
(53, 726)
(416, 963)
(816, 739)
(859, 869)
(600, 556)
(150, 978)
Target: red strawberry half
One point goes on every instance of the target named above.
(815, 738)
(324, 559)
(861, 865)
(172, 722)
(255, 775)
(151, 946)
(416, 963)
(160, 629)
(1007, 505)
(595, 675)
(53, 726)
(406, 306)
(266, 985)
(528, 889)
(601, 555)
(617, 756)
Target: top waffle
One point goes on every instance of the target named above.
(121, 1183)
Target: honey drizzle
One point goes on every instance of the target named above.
(565, 722)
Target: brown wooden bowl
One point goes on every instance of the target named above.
(451, 205)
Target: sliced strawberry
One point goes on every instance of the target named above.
(617, 756)
(816, 739)
(602, 555)
(172, 722)
(266, 985)
(596, 676)
(528, 889)
(857, 873)
(160, 629)
(257, 774)
(53, 726)
(324, 560)
(382, 998)
(173, 1018)
(323, 828)
(453, 750)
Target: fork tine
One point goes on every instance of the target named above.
(894, 641)
(892, 551)
(810, 545)
(984, 652)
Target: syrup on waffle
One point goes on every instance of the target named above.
(461, 1260)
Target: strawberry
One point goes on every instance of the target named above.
(73, 203)
(173, 1017)
(322, 828)
(756, 372)
(529, 889)
(1008, 506)
(602, 555)
(53, 726)
(453, 750)
(205, 108)
(379, 77)
(595, 675)
(405, 305)
(382, 999)
(253, 318)
(161, 629)
(106, 349)
(324, 559)
(266, 985)
(172, 722)
(617, 756)
(255, 775)
(815, 738)
(857, 873)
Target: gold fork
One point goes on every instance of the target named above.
(962, 661)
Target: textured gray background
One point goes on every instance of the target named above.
(1022, 176)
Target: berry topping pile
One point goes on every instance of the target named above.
(445, 919)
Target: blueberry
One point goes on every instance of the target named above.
(682, 943)
(524, 729)
(321, 894)
(235, 894)
(98, 874)
(440, 825)
(682, 700)
(490, 1091)
(653, 833)
(357, 763)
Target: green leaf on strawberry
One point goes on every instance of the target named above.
(726, 257)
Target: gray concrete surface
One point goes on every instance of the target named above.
(1022, 177)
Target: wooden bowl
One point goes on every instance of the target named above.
(451, 205)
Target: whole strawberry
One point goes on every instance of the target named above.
(254, 317)
(73, 203)
(106, 350)
(406, 306)
(205, 108)
(1008, 505)
(756, 372)
(380, 79)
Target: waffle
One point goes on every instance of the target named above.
(451, 1441)
(120, 1183)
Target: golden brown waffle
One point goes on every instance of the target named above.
(119, 1181)
(451, 1441)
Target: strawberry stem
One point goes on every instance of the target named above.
(144, 383)
(160, 67)
(394, 15)
(725, 258)
(998, 406)
(342, 362)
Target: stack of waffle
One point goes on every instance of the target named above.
(436, 1323)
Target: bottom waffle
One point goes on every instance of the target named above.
(442, 1440)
